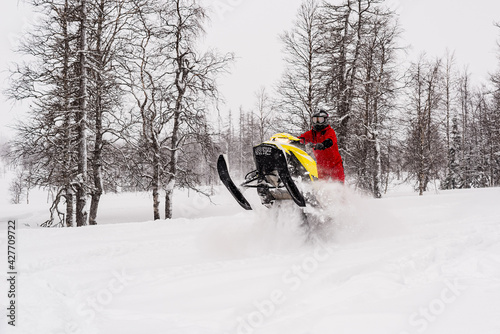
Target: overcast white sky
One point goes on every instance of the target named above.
(250, 29)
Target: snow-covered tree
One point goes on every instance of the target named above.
(70, 80)
(172, 84)
(106, 41)
(49, 79)
(300, 89)
(424, 147)
(371, 126)
(345, 28)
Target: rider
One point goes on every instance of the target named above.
(326, 151)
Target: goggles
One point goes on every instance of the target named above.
(319, 119)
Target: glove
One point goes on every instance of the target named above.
(319, 146)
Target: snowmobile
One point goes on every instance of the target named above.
(281, 163)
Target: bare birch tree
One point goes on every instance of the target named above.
(49, 81)
(299, 90)
(107, 38)
(264, 112)
(82, 120)
(424, 151)
(172, 85)
(344, 27)
(377, 96)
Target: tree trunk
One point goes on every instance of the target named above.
(81, 213)
(96, 194)
(173, 153)
(98, 144)
(156, 186)
(68, 131)
(182, 72)
(169, 192)
(377, 172)
(69, 206)
(343, 107)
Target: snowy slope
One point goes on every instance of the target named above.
(402, 264)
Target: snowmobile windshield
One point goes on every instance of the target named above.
(287, 139)
(282, 140)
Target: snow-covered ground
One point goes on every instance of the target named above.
(403, 264)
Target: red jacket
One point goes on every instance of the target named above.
(328, 160)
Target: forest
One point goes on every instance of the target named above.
(122, 98)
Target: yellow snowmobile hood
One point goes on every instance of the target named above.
(284, 142)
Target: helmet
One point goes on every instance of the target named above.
(319, 120)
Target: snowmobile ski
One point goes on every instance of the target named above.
(228, 182)
(284, 174)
